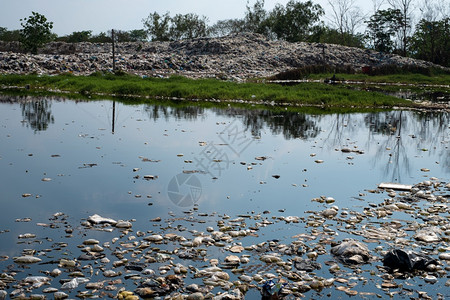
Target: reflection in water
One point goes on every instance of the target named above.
(37, 114)
(156, 111)
(391, 134)
(402, 132)
(390, 125)
(36, 111)
(291, 124)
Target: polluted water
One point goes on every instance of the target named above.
(176, 201)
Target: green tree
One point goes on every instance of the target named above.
(327, 35)
(226, 27)
(431, 41)
(138, 35)
(102, 37)
(404, 7)
(188, 26)
(166, 28)
(9, 35)
(157, 26)
(120, 35)
(78, 36)
(3, 31)
(295, 22)
(36, 32)
(381, 29)
(256, 17)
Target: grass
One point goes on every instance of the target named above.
(203, 89)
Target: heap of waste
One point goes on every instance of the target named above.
(237, 57)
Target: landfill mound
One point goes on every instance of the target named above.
(238, 56)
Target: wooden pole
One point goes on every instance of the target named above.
(114, 69)
(113, 115)
(113, 50)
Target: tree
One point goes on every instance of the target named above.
(9, 35)
(333, 36)
(3, 31)
(431, 41)
(188, 26)
(381, 27)
(377, 5)
(256, 17)
(166, 28)
(36, 32)
(296, 21)
(138, 35)
(79, 36)
(346, 17)
(226, 27)
(405, 9)
(120, 35)
(157, 26)
(102, 37)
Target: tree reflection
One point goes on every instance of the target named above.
(432, 128)
(155, 112)
(392, 125)
(37, 114)
(407, 130)
(291, 124)
(339, 128)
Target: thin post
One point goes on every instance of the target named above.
(113, 115)
(113, 50)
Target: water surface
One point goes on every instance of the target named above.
(138, 162)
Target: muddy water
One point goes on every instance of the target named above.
(192, 167)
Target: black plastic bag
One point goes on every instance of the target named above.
(407, 260)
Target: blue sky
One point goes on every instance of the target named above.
(102, 15)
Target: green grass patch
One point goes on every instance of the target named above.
(204, 89)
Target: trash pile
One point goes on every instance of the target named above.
(343, 252)
(236, 57)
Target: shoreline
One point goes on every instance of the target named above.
(419, 106)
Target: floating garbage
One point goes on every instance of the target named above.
(307, 265)
(97, 219)
(395, 186)
(351, 252)
(407, 260)
(27, 259)
(271, 290)
(230, 255)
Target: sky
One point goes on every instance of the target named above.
(102, 15)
